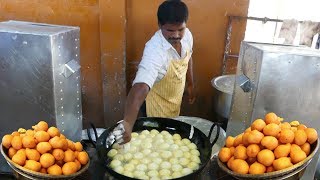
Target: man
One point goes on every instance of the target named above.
(165, 67)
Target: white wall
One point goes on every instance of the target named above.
(278, 9)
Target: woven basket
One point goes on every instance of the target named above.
(281, 174)
(36, 175)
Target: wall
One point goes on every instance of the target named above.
(208, 23)
(113, 31)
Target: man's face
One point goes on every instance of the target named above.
(173, 32)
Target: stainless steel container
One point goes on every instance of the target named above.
(276, 78)
(224, 88)
(40, 77)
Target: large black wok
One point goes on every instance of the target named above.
(172, 126)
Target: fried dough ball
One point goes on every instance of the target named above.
(240, 152)
(282, 150)
(224, 154)
(282, 163)
(257, 168)
(312, 135)
(300, 137)
(265, 157)
(240, 166)
(258, 124)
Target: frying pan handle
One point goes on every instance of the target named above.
(217, 135)
(95, 134)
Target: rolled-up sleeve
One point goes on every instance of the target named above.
(149, 67)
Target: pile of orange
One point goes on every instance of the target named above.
(46, 150)
(268, 145)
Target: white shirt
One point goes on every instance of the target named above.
(157, 54)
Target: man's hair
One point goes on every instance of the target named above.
(172, 12)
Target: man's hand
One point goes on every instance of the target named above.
(191, 96)
(121, 133)
(127, 132)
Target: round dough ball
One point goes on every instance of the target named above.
(174, 161)
(142, 136)
(118, 157)
(141, 167)
(119, 169)
(154, 154)
(166, 177)
(154, 131)
(145, 160)
(186, 171)
(165, 133)
(158, 136)
(184, 161)
(147, 145)
(170, 141)
(187, 155)
(145, 132)
(158, 142)
(115, 163)
(193, 165)
(179, 142)
(195, 152)
(176, 174)
(164, 146)
(165, 165)
(134, 134)
(168, 136)
(128, 167)
(178, 153)
(192, 146)
(144, 177)
(153, 173)
(148, 140)
(184, 148)
(186, 141)
(138, 155)
(127, 156)
(112, 153)
(126, 148)
(195, 159)
(133, 149)
(166, 154)
(138, 174)
(174, 147)
(128, 174)
(136, 142)
(135, 162)
(153, 166)
(116, 146)
(176, 137)
(157, 160)
(164, 172)
(146, 152)
(176, 167)
(155, 178)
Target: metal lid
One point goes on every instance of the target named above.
(224, 83)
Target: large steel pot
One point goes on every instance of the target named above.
(224, 86)
(185, 130)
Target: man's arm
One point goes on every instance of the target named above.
(136, 97)
(190, 84)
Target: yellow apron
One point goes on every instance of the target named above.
(164, 98)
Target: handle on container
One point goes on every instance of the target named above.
(217, 135)
(70, 68)
(95, 134)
